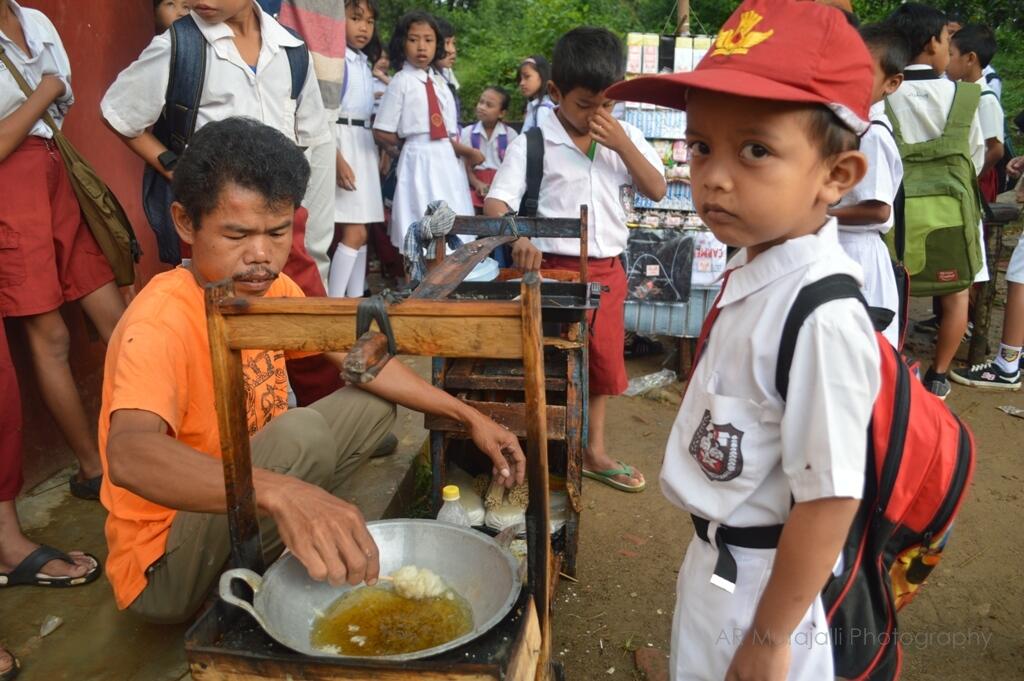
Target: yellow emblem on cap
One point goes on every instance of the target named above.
(739, 40)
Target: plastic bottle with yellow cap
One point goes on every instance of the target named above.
(451, 510)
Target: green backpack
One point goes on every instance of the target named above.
(943, 203)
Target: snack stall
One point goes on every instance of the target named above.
(673, 262)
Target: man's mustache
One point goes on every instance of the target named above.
(256, 274)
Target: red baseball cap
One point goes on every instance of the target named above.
(783, 50)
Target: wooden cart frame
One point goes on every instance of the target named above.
(448, 329)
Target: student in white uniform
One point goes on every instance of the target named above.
(534, 75)
(417, 114)
(865, 214)
(358, 201)
(786, 473)
(490, 136)
(970, 51)
(381, 79)
(921, 106)
(247, 74)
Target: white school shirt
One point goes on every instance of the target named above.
(885, 170)
(996, 84)
(403, 108)
(46, 56)
(536, 111)
(357, 99)
(990, 113)
(381, 87)
(922, 107)
(488, 145)
(571, 179)
(737, 451)
(136, 99)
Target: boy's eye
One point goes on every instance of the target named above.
(754, 152)
(698, 148)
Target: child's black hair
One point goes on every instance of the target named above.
(506, 98)
(919, 24)
(539, 64)
(244, 152)
(445, 27)
(832, 136)
(373, 48)
(396, 48)
(890, 46)
(980, 40)
(851, 17)
(587, 57)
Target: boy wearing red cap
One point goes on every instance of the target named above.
(774, 113)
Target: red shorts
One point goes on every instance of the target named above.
(608, 326)
(486, 176)
(10, 424)
(47, 253)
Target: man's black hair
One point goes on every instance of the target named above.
(540, 64)
(396, 48)
(587, 57)
(889, 44)
(980, 40)
(506, 98)
(239, 151)
(373, 48)
(919, 24)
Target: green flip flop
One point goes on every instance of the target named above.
(608, 478)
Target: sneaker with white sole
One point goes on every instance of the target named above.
(987, 375)
(939, 387)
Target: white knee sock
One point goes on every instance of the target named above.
(357, 282)
(1008, 359)
(341, 270)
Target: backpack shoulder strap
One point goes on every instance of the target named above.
(475, 140)
(534, 172)
(809, 299)
(502, 145)
(899, 203)
(966, 97)
(185, 83)
(895, 122)
(298, 62)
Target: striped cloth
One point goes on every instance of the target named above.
(321, 23)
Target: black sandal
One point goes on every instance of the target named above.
(28, 571)
(88, 489)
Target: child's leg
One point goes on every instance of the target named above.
(344, 263)
(951, 329)
(1008, 358)
(355, 236)
(50, 341)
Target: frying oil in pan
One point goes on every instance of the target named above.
(374, 621)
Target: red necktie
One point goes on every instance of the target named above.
(437, 129)
(705, 330)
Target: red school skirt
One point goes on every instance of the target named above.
(608, 326)
(10, 424)
(48, 256)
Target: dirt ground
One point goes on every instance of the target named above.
(965, 625)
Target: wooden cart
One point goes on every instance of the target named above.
(495, 386)
(224, 644)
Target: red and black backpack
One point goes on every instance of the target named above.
(920, 460)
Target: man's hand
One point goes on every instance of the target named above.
(346, 176)
(757, 660)
(326, 534)
(502, 447)
(526, 256)
(1015, 167)
(608, 132)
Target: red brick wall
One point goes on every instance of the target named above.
(101, 38)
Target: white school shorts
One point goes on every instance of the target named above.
(1015, 271)
(709, 623)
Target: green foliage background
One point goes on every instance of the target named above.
(495, 35)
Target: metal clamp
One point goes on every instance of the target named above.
(374, 309)
(373, 349)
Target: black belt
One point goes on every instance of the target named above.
(354, 122)
(764, 537)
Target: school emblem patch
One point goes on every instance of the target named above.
(739, 40)
(436, 120)
(717, 448)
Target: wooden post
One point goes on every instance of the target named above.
(538, 526)
(683, 23)
(246, 550)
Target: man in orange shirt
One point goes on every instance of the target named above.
(238, 186)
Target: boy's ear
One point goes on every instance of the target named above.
(183, 223)
(554, 92)
(892, 83)
(845, 171)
